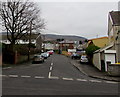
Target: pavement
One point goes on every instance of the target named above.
(93, 72)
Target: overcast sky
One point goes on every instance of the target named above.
(75, 17)
(87, 19)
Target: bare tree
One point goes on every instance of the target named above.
(18, 17)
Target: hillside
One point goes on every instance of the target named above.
(66, 37)
(54, 37)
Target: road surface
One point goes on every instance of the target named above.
(56, 76)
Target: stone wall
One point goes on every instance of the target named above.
(113, 69)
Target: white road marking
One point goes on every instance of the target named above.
(39, 77)
(49, 75)
(51, 67)
(67, 78)
(36, 65)
(111, 82)
(54, 77)
(7, 67)
(3, 76)
(25, 76)
(95, 81)
(81, 80)
(13, 76)
(51, 63)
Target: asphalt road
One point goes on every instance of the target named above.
(56, 76)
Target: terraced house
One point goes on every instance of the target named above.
(110, 53)
(34, 38)
(114, 32)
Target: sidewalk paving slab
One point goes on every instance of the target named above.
(93, 72)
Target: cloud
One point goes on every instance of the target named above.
(77, 18)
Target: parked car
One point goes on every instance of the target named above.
(50, 52)
(45, 55)
(75, 56)
(83, 59)
(38, 59)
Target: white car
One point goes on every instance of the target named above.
(45, 55)
(48, 55)
(83, 59)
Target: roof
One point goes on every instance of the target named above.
(105, 48)
(110, 51)
(67, 41)
(97, 38)
(115, 16)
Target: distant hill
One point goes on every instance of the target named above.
(54, 37)
(66, 37)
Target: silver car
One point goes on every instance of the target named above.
(38, 59)
(83, 59)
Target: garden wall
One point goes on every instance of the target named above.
(113, 69)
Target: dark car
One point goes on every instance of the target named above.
(75, 56)
(38, 59)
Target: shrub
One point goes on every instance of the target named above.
(91, 49)
(65, 53)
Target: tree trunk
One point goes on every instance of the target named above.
(90, 59)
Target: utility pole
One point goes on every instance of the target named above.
(97, 36)
(44, 43)
(29, 45)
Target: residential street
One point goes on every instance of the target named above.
(56, 76)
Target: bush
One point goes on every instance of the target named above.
(91, 49)
(56, 51)
(65, 53)
(31, 45)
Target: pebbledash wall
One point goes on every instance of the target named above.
(0, 73)
(97, 60)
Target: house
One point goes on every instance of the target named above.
(34, 39)
(82, 46)
(65, 45)
(114, 32)
(48, 46)
(38, 41)
(0, 53)
(100, 42)
(102, 56)
(21, 53)
(110, 53)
